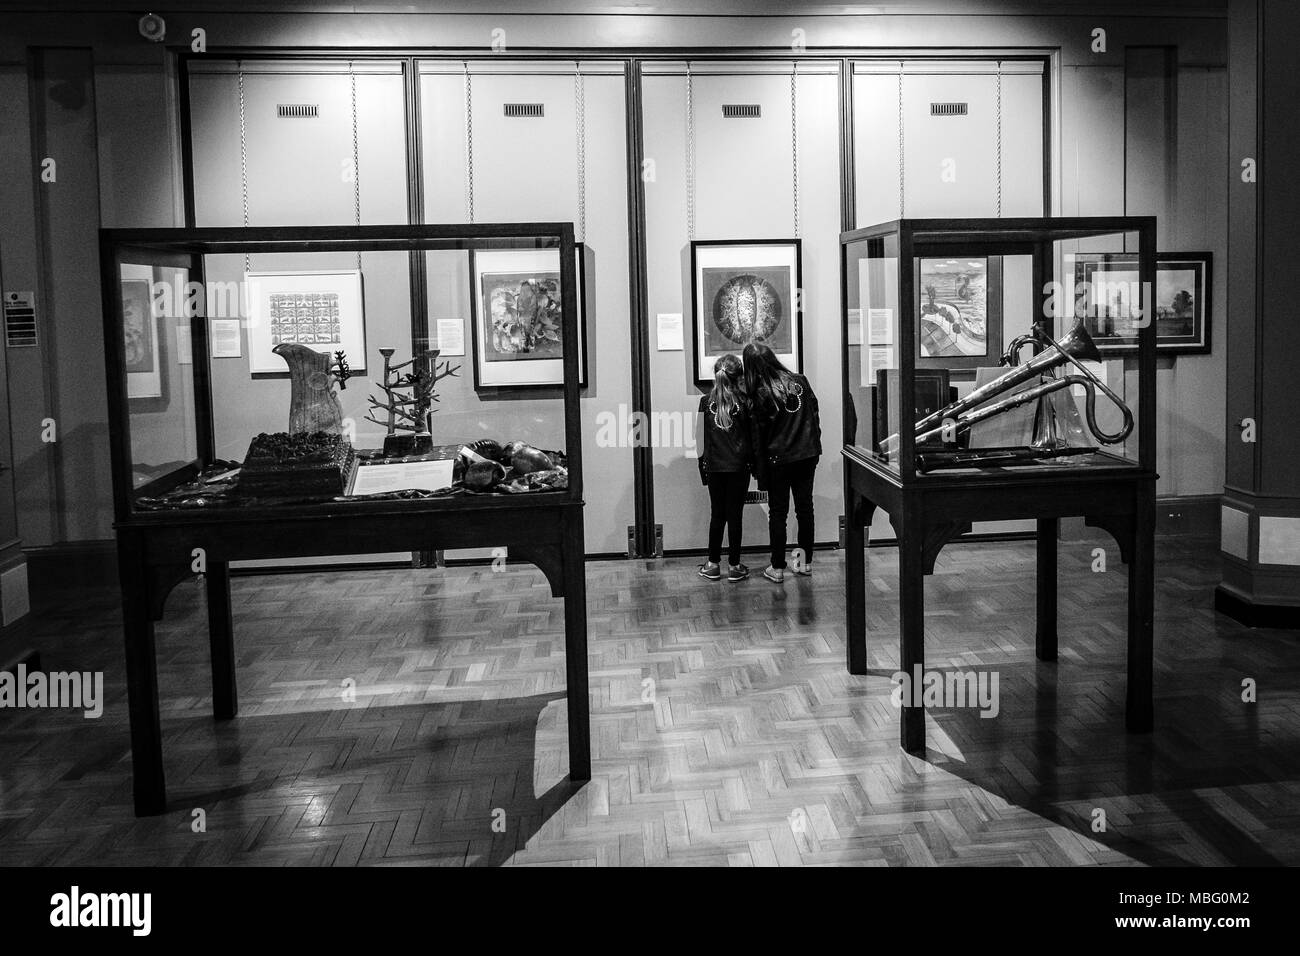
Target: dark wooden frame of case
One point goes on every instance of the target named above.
(796, 293)
(156, 550)
(927, 511)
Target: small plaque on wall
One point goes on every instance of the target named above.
(225, 338)
(669, 328)
(451, 337)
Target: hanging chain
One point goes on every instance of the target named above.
(469, 147)
(794, 142)
(580, 114)
(356, 159)
(901, 191)
(243, 158)
(999, 212)
(690, 157)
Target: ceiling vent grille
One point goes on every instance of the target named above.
(948, 109)
(525, 109)
(741, 110)
(297, 111)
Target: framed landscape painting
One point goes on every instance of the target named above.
(517, 321)
(742, 291)
(1107, 298)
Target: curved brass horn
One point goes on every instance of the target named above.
(1076, 348)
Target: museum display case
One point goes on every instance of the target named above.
(975, 390)
(274, 393)
(1003, 333)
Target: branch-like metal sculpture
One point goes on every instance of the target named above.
(409, 398)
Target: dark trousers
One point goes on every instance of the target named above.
(727, 507)
(784, 480)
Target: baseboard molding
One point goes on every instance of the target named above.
(1256, 615)
(1196, 515)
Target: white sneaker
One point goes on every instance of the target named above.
(775, 575)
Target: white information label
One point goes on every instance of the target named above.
(669, 327)
(224, 334)
(401, 475)
(451, 337)
(880, 326)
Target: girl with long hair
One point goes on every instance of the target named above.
(787, 447)
(725, 465)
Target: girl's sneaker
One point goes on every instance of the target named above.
(711, 571)
(775, 575)
(804, 570)
(738, 572)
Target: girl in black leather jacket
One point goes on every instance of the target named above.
(787, 447)
(725, 464)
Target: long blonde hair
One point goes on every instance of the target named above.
(728, 392)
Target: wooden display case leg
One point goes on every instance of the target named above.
(149, 785)
(221, 641)
(1139, 710)
(1045, 633)
(911, 580)
(857, 513)
(575, 654)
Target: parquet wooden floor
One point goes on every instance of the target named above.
(725, 729)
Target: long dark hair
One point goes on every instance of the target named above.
(728, 390)
(770, 384)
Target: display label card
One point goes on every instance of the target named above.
(401, 475)
(669, 326)
(854, 329)
(451, 337)
(878, 358)
(184, 345)
(880, 326)
(224, 334)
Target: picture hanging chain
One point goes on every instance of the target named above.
(901, 191)
(999, 168)
(690, 157)
(469, 147)
(243, 157)
(580, 115)
(356, 159)
(794, 142)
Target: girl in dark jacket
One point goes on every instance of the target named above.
(725, 465)
(788, 445)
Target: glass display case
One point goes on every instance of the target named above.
(1000, 369)
(289, 392)
(281, 368)
(996, 347)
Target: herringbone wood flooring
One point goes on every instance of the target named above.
(725, 729)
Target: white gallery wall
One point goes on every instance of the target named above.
(528, 169)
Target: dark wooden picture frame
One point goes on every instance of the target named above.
(992, 318)
(1200, 264)
(476, 350)
(698, 355)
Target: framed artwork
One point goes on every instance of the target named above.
(959, 312)
(1106, 293)
(144, 335)
(742, 291)
(322, 310)
(517, 317)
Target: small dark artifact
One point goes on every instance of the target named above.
(300, 465)
(313, 403)
(409, 412)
